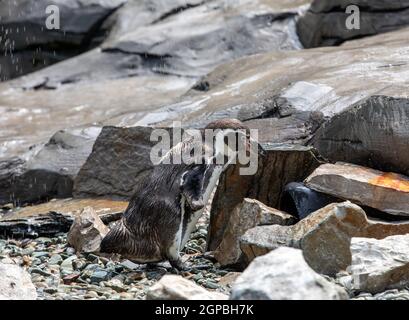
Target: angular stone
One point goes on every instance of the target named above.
(172, 287)
(249, 214)
(50, 218)
(324, 236)
(281, 165)
(24, 23)
(376, 135)
(15, 283)
(87, 231)
(324, 23)
(47, 171)
(380, 265)
(385, 191)
(283, 274)
(118, 154)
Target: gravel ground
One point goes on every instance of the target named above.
(59, 273)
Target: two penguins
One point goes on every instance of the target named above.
(165, 208)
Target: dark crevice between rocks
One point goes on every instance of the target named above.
(177, 10)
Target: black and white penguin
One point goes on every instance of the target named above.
(167, 206)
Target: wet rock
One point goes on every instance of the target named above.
(177, 288)
(283, 274)
(376, 136)
(249, 214)
(51, 218)
(324, 236)
(280, 166)
(118, 153)
(379, 265)
(15, 283)
(387, 192)
(87, 231)
(47, 171)
(325, 22)
(34, 45)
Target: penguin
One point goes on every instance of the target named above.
(166, 207)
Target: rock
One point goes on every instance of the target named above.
(87, 231)
(67, 266)
(324, 236)
(249, 214)
(99, 275)
(187, 39)
(324, 23)
(55, 259)
(15, 283)
(375, 125)
(387, 192)
(295, 90)
(51, 218)
(35, 46)
(281, 165)
(118, 153)
(48, 171)
(172, 287)
(379, 265)
(283, 274)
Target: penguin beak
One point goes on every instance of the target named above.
(250, 147)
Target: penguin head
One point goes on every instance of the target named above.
(231, 134)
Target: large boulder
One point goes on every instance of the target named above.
(324, 236)
(325, 22)
(119, 162)
(46, 171)
(379, 265)
(249, 214)
(27, 45)
(15, 283)
(172, 287)
(154, 46)
(374, 126)
(280, 165)
(283, 274)
(387, 192)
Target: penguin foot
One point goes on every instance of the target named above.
(179, 266)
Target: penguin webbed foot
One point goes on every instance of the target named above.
(179, 266)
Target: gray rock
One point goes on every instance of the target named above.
(118, 153)
(249, 214)
(99, 275)
(15, 283)
(283, 274)
(324, 236)
(325, 22)
(55, 259)
(47, 171)
(177, 288)
(25, 32)
(66, 265)
(87, 231)
(379, 265)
